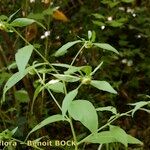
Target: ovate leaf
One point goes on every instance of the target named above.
(22, 22)
(22, 57)
(103, 85)
(47, 121)
(67, 100)
(106, 47)
(84, 112)
(61, 51)
(119, 134)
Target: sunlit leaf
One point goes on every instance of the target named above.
(22, 57)
(84, 112)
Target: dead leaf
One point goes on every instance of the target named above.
(58, 15)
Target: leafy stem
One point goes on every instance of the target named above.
(104, 126)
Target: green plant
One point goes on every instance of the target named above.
(72, 108)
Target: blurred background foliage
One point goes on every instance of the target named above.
(125, 24)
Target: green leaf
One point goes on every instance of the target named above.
(133, 140)
(11, 16)
(3, 18)
(4, 76)
(37, 16)
(103, 137)
(47, 121)
(49, 11)
(103, 85)
(36, 93)
(14, 130)
(84, 112)
(138, 105)
(115, 134)
(61, 65)
(22, 57)
(98, 16)
(6, 134)
(22, 22)
(61, 51)
(127, 1)
(108, 108)
(67, 100)
(87, 70)
(73, 69)
(12, 81)
(66, 78)
(119, 134)
(98, 23)
(115, 23)
(22, 96)
(55, 86)
(106, 47)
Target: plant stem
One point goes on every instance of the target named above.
(73, 133)
(70, 121)
(77, 55)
